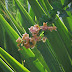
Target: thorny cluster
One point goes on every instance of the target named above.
(30, 42)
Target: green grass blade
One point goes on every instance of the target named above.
(24, 3)
(65, 35)
(12, 19)
(60, 50)
(7, 62)
(38, 10)
(48, 5)
(27, 20)
(39, 55)
(42, 3)
(67, 22)
(31, 13)
(15, 64)
(4, 66)
(2, 36)
(48, 57)
(11, 48)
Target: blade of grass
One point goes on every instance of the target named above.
(24, 3)
(65, 35)
(48, 57)
(11, 18)
(7, 62)
(67, 22)
(48, 5)
(38, 10)
(11, 48)
(4, 66)
(1, 36)
(42, 3)
(15, 64)
(27, 20)
(31, 13)
(60, 50)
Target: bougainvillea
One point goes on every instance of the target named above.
(30, 42)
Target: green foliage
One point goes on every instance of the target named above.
(4, 66)
(15, 64)
(55, 55)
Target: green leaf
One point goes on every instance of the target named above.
(5, 67)
(31, 13)
(60, 50)
(15, 64)
(48, 57)
(67, 22)
(2, 36)
(12, 19)
(27, 20)
(38, 10)
(24, 3)
(42, 3)
(49, 7)
(38, 55)
(56, 4)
